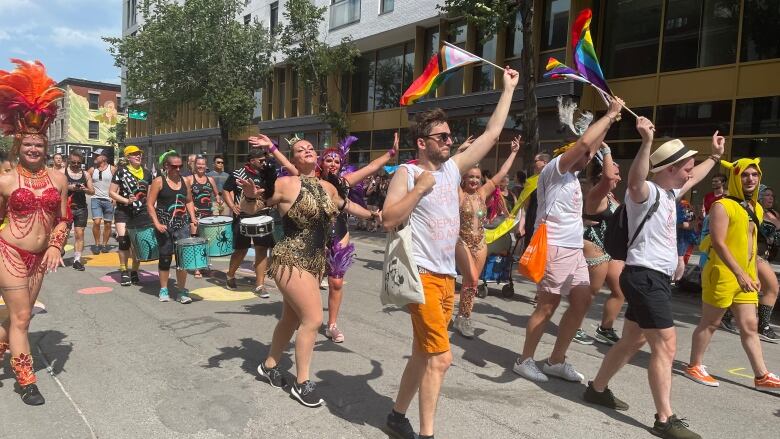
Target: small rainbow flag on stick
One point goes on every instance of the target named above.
(585, 58)
(439, 68)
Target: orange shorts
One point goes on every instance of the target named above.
(430, 321)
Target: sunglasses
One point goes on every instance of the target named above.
(175, 166)
(442, 137)
(218, 163)
(75, 163)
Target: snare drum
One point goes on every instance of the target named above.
(192, 254)
(257, 226)
(218, 231)
(144, 242)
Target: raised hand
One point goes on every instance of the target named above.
(718, 144)
(615, 107)
(645, 128)
(516, 143)
(260, 141)
(466, 143)
(425, 181)
(511, 78)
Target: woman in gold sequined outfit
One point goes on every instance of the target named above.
(308, 206)
(471, 250)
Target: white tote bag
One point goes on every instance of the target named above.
(401, 282)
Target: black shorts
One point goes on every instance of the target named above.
(649, 296)
(80, 216)
(123, 215)
(166, 241)
(241, 242)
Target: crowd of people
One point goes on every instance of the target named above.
(446, 201)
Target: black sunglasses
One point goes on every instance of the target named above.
(442, 137)
(175, 166)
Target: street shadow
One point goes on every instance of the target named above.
(146, 277)
(250, 351)
(54, 347)
(370, 264)
(482, 353)
(352, 399)
(260, 309)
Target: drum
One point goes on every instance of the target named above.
(257, 226)
(144, 241)
(192, 254)
(218, 231)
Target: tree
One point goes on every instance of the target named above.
(490, 16)
(313, 60)
(197, 53)
(117, 135)
(6, 142)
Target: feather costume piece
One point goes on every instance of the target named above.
(28, 99)
(566, 111)
(339, 259)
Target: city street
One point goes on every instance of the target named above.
(123, 365)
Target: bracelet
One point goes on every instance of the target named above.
(391, 151)
(715, 158)
(250, 199)
(606, 150)
(59, 235)
(272, 149)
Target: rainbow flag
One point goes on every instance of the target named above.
(585, 58)
(439, 68)
(557, 69)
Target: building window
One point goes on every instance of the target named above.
(274, 21)
(555, 27)
(119, 103)
(408, 65)
(363, 83)
(294, 96)
(456, 36)
(699, 33)
(514, 38)
(269, 87)
(758, 116)
(62, 128)
(431, 42)
(94, 101)
(386, 6)
(344, 12)
(632, 34)
(623, 131)
(482, 80)
(759, 30)
(693, 120)
(94, 129)
(382, 140)
(281, 81)
(247, 19)
(132, 12)
(389, 77)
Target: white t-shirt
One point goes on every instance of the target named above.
(435, 221)
(656, 245)
(561, 196)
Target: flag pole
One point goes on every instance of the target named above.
(475, 56)
(604, 93)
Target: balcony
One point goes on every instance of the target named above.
(344, 13)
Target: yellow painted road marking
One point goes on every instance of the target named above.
(736, 370)
(220, 294)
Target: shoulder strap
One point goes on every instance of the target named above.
(650, 213)
(750, 213)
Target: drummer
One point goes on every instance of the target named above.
(263, 176)
(204, 195)
(128, 189)
(170, 206)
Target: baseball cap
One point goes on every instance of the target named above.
(131, 149)
(100, 151)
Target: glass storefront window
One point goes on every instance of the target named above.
(406, 155)
(363, 83)
(758, 116)
(408, 66)
(363, 140)
(389, 77)
(514, 38)
(459, 129)
(699, 33)
(359, 158)
(456, 36)
(280, 79)
(626, 128)
(555, 27)
(431, 42)
(693, 120)
(630, 45)
(382, 140)
(759, 30)
(482, 79)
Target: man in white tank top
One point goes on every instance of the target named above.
(646, 278)
(432, 209)
(101, 205)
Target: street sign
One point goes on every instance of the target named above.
(137, 114)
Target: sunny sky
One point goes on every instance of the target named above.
(63, 34)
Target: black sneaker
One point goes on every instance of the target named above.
(768, 334)
(273, 375)
(583, 338)
(31, 395)
(399, 429)
(124, 279)
(78, 266)
(134, 279)
(728, 325)
(605, 399)
(673, 428)
(606, 335)
(306, 394)
(230, 284)
(95, 249)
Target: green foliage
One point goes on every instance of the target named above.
(6, 142)
(196, 52)
(117, 134)
(486, 15)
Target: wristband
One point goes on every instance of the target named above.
(715, 158)
(272, 149)
(391, 151)
(59, 235)
(606, 150)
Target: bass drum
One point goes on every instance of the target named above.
(278, 229)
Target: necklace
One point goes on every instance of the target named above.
(34, 180)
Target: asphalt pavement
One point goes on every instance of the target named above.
(113, 362)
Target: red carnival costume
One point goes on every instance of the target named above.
(27, 106)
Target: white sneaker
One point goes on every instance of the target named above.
(564, 370)
(528, 370)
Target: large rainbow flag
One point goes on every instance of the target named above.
(439, 68)
(585, 58)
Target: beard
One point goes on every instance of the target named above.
(437, 156)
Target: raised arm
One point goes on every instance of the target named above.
(493, 182)
(702, 169)
(482, 144)
(609, 174)
(190, 203)
(637, 174)
(375, 165)
(262, 141)
(400, 202)
(591, 139)
(89, 188)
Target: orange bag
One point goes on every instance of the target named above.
(534, 258)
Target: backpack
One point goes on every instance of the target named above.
(616, 242)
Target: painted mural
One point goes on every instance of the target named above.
(79, 116)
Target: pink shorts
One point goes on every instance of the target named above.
(566, 268)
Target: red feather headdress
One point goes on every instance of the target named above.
(28, 99)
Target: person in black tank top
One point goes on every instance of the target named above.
(172, 211)
(79, 185)
(204, 195)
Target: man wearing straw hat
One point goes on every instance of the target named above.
(646, 278)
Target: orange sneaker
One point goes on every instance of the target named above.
(769, 382)
(700, 375)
